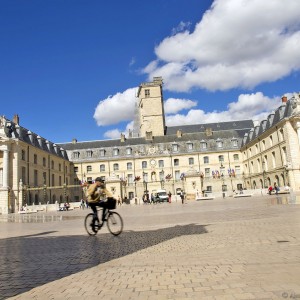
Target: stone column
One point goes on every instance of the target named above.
(298, 131)
(5, 167)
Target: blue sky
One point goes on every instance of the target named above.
(70, 69)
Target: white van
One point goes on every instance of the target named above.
(162, 195)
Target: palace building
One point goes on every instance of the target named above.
(201, 159)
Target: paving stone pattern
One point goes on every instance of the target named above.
(215, 249)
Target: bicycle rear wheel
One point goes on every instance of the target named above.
(91, 225)
(114, 223)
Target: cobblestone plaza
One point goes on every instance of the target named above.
(232, 248)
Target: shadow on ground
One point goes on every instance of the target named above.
(30, 261)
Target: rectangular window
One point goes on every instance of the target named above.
(130, 179)
(44, 177)
(145, 177)
(59, 180)
(23, 155)
(35, 159)
(209, 189)
(191, 161)
(44, 162)
(102, 168)
(129, 166)
(207, 172)
(144, 164)
(147, 93)
(24, 175)
(175, 147)
(177, 175)
(89, 168)
(161, 163)
(102, 152)
(89, 153)
(35, 178)
(176, 162)
(237, 170)
(206, 159)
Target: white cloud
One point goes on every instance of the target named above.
(172, 105)
(248, 106)
(113, 134)
(238, 43)
(117, 108)
(181, 27)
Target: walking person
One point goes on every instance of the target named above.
(182, 197)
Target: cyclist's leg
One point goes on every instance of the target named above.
(93, 206)
(102, 204)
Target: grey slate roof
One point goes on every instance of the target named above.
(16, 131)
(283, 111)
(225, 131)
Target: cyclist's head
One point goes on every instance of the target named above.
(99, 179)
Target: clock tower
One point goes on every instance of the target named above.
(151, 109)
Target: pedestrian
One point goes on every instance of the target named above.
(135, 200)
(182, 197)
(119, 200)
(82, 204)
(152, 198)
(276, 188)
(270, 189)
(170, 197)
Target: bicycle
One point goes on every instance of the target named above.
(113, 221)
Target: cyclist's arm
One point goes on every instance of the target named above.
(108, 193)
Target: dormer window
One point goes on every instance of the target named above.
(190, 146)
(175, 147)
(102, 152)
(115, 151)
(234, 142)
(76, 154)
(128, 151)
(89, 153)
(219, 143)
(203, 145)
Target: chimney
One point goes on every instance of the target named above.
(179, 133)
(123, 138)
(208, 131)
(284, 99)
(74, 141)
(16, 119)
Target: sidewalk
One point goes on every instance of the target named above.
(216, 249)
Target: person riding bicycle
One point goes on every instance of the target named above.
(96, 196)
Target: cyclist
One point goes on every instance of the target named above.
(96, 196)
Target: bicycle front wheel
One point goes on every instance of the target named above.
(114, 223)
(91, 225)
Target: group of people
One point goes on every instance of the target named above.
(274, 188)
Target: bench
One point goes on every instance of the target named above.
(205, 198)
(242, 195)
(27, 211)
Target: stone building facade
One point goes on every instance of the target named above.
(32, 169)
(199, 159)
